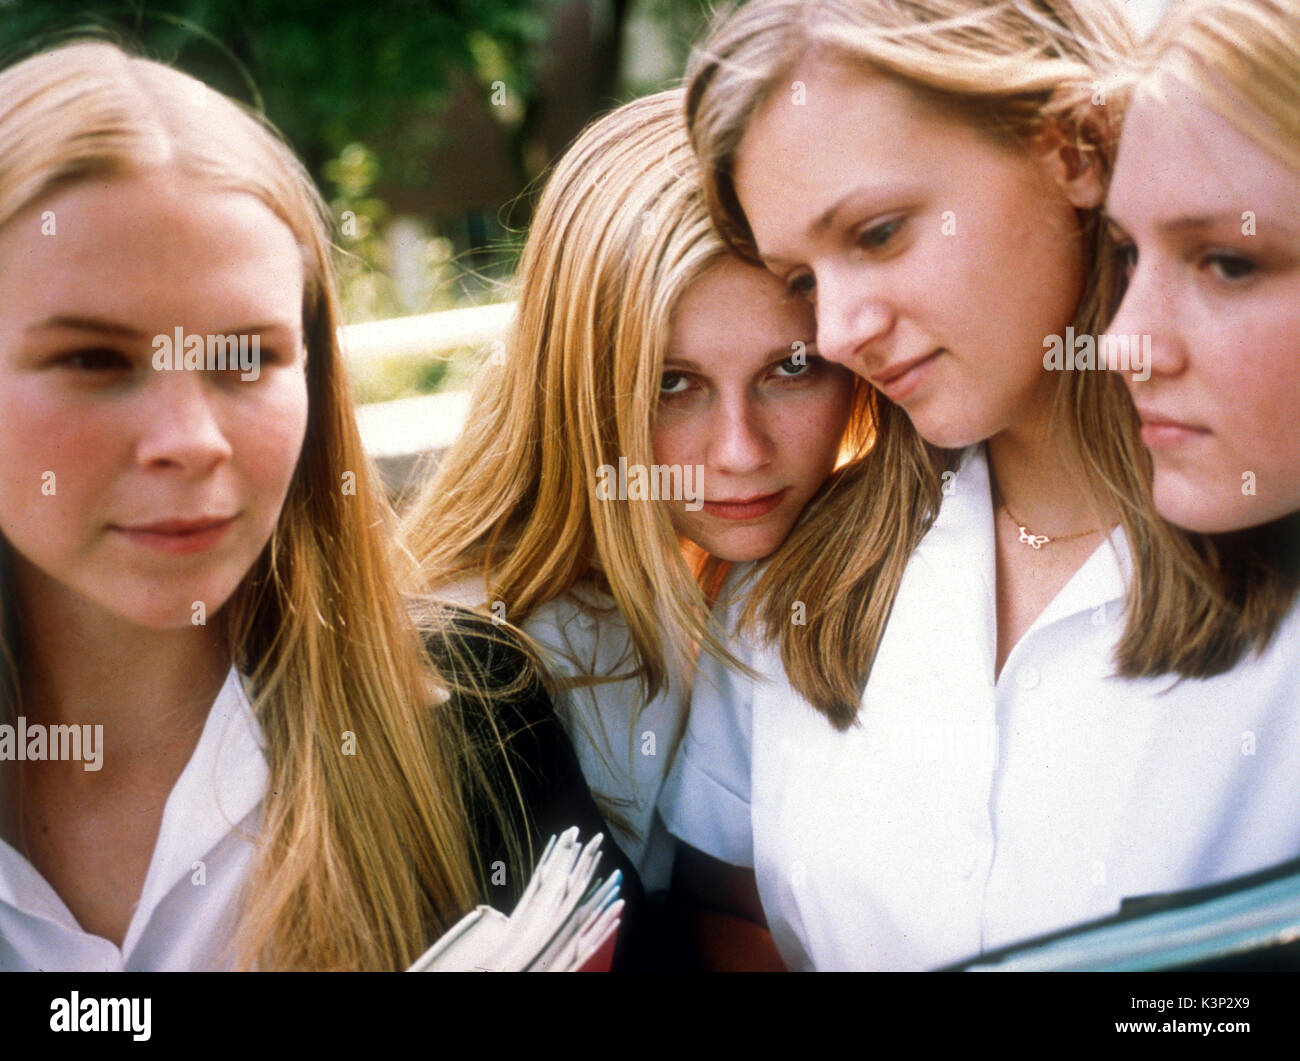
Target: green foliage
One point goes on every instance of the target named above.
(326, 74)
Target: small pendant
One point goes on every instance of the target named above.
(1036, 540)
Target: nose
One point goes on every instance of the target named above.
(850, 317)
(740, 441)
(182, 427)
(1149, 309)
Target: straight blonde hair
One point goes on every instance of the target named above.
(1230, 53)
(362, 859)
(1010, 69)
(620, 232)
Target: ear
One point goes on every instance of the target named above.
(1073, 163)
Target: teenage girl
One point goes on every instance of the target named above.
(641, 346)
(244, 757)
(1212, 135)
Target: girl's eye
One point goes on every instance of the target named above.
(878, 236)
(800, 284)
(95, 359)
(1229, 266)
(1127, 253)
(673, 383)
(795, 366)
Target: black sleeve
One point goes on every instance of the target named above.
(556, 797)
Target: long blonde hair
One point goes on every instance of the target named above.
(1230, 53)
(362, 859)
(1010, 69)
(619, 234)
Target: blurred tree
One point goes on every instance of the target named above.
(327, 75)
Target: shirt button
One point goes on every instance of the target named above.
(1027, 677)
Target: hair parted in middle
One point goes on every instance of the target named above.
(1012, 70)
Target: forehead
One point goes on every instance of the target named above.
(735, 310)
(1177, 155)
(836, 127)
(153, 243)
(828, 101)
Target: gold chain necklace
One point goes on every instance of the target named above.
(1037, 541)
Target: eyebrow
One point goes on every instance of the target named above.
(109, 327)
(86, 324)
(776, 353)
(1194, 222)
(823, 220)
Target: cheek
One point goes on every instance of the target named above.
(1262, 421)
(1022, 274)
(811, 431)
(55, 462)
(270, 436)
(672, 439)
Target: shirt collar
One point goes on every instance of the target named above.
(964, 528)
(222, 784)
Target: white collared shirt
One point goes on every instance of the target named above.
(205, 848)
(962, 813)
(624, 744)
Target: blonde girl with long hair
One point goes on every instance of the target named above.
(1020, 695)
(236, 752)
(1212, 132)
(640, 345)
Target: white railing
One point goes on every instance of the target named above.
(429, 332)
(399, 433)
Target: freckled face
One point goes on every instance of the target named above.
(124, 488)
(1212, 226)
(746, 397)
(937, 261)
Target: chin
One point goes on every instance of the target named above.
(1209, 512)
(169, 610)
(950, 436)
(741, 552)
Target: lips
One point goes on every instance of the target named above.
(1164, 432)
(899, 380)
(178, 535)
(180, 526)
(745, 508)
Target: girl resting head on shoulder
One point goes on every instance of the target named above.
(659, 412)
(195, 576)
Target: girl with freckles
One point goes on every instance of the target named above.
(1020, 695)
(196, 561)
(638, 338)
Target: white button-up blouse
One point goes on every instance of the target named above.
(960, 814)
(202, 858)
(624, 743)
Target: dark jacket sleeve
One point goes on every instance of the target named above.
(515, 719)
